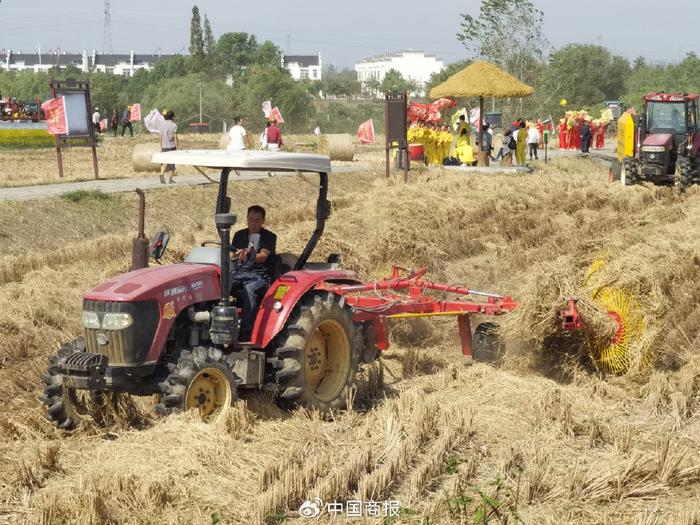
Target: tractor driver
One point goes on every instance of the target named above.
(254, 251)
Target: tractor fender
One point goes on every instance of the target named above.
(288, 291)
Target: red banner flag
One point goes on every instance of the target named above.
(275, 114)
(55, 111)
(135, 112)
(366, 132)
(104, 124)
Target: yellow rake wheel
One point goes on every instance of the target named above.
(615, 355)
(594, 268)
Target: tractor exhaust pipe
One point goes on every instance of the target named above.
(224, 317)
(139, 248)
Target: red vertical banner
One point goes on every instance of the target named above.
(55, 111)
(275, 114)
(135, 112)
(366, 132)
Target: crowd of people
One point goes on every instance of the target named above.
(520, 142)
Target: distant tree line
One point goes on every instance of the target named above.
(237, 73)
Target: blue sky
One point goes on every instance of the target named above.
(343, 31)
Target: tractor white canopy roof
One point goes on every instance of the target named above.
(246, 160)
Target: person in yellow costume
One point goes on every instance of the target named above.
(463, 124)
(521, 143)
(446, 142)
(430, 145)
(464, 152)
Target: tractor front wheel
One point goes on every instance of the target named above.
(319, 353)
(201, 379)
(68, 407)
(629, 169)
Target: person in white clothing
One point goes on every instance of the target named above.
(533, 140)
(236, 135)
(263, 137)
(96, 121)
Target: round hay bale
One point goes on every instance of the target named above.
(337, 147)
(141, 157)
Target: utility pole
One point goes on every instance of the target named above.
(107, 31)
(200, 103)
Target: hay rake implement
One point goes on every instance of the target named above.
(405, 294)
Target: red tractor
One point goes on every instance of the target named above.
(173, 330)
(666, 142)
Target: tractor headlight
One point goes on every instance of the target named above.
(117, 321)
(90, 320)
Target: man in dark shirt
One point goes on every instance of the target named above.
(254, 252)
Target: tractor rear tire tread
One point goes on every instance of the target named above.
(292, 388)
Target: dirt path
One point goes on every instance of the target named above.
(23, 193)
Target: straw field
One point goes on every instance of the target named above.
(547, 438)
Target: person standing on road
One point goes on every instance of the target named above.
(236, 136)
(533, 141)
(263, 137)
(114, 122)
(96, 121)
(585, 137)
(168, 142)
(126, 121)
(274, 137)
(521, 143)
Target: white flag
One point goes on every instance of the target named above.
(317, 131)
(154, 121)
(267, 108)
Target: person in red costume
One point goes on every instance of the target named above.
(563, 143)
(600, 139)
(540, 129)
(576, 136)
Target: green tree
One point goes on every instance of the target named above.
(268, 54)
(341, 83)
(394, 81)
(507, 33)
(196, 39)
(263, 82)
(209, 40)
(585, 75)
(236, 52)
(107, 92)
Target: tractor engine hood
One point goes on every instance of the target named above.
(659, 139)
(183, 283)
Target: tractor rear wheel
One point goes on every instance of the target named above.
(201, 379)
(319, 353)
(68, 407)
(684, 174)
(486, 346)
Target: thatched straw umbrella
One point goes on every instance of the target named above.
(481, 79)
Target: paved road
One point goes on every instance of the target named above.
(22, 193)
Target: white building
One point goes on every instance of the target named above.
(413, 65)
(303, 67)
(126, 64)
